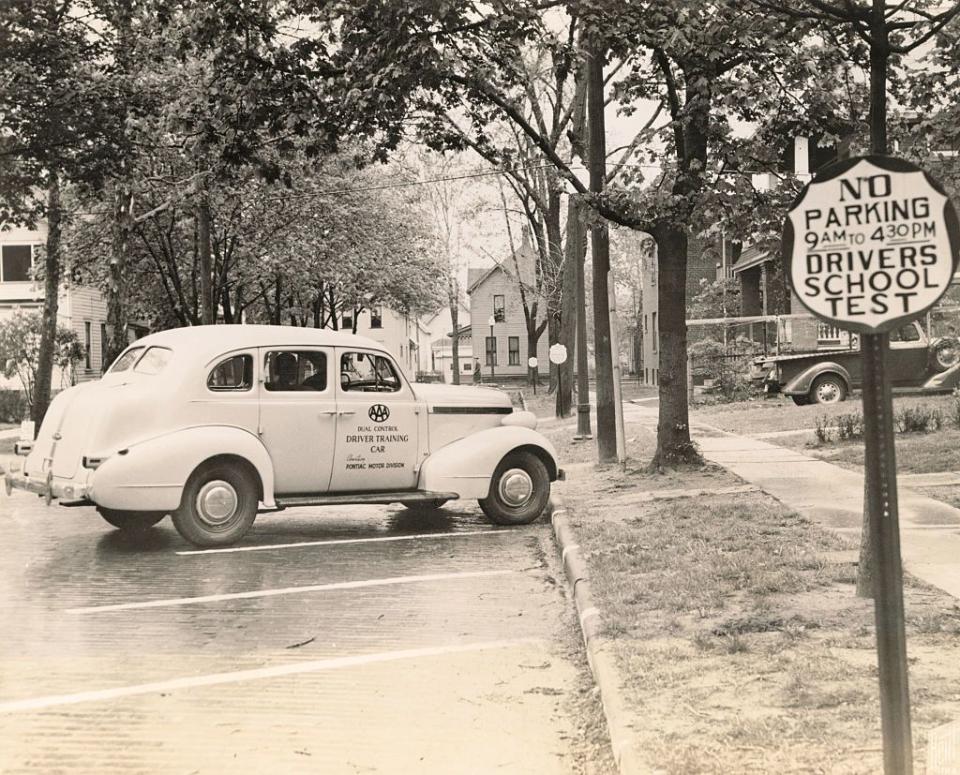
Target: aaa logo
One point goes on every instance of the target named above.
(379, 413)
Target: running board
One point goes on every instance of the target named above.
(371, 498)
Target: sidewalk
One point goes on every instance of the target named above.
(823, 493)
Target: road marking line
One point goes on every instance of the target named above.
(286, 591)
(238, 676)
(335, 542)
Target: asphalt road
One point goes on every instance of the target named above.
(363, 639)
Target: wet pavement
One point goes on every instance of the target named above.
(360, 639)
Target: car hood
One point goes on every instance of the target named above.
(439, 395)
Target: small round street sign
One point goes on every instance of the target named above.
(869, 243)
(532, 363)
(558, 354)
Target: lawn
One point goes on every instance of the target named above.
(544, 405)
(781, 414)
(743, 646)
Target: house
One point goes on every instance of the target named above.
(441, 355)
(763, 288)
(82, 309)
(438, 359)
(400, 333)
(497, 318)
(701, 265)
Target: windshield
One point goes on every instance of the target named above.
(153, 360)
(127, 359)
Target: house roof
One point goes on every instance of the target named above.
(750, 257)
(524, 261)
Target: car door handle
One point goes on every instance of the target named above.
(329, 411)
(347, 411)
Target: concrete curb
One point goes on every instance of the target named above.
(602, 661)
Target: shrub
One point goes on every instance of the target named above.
(849, 426)
(823, 430)
(955, 409)
(918, 419)
(13, 405)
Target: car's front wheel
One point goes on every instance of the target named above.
(130, 521)
(519, 490)
(218, 506)
(828, 389)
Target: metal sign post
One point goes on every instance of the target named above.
(532, 363)
(869, 244)
(558, 356)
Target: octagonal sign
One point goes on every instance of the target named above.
(870, 243)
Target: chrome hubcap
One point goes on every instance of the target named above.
(217, 502)
(828, 393)
(516, 487)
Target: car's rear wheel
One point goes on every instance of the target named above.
(828, 389)
(427, 505)
(218, 506)
(944, 353)
(131, 521)
(519, 490)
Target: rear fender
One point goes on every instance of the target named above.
(801, 384)
(466, 466)
(150, 476)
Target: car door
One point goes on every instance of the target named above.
(909, 356)
(298, 416)
(377, 424)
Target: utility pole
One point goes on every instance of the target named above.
(600, 245)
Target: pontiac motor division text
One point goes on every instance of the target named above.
(860, 282)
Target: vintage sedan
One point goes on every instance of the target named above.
(214, 424)
(828, 376)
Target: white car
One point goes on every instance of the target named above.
(212, 424)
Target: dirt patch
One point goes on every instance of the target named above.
(743, 645)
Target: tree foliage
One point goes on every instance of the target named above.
(20, 349)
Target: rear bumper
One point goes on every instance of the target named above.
(46, 487)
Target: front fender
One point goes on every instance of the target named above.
(150, 476)
(800, 385)
(466, 466)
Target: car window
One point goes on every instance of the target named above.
(368, 373)
(127, 359)
(234, 373)
(908, 334)
(288, 370)
(153, 360)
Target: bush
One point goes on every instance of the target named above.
(955, 409)
(13, 406)
(918, 419)
(849, 426)
(823, 432)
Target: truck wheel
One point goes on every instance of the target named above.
(944, 353)
(828, 389)
(423, 506)
(519, 490)
(131, 521)
(218, 506)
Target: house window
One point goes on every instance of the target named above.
(491, 350)
(17, 261)
(466, 367)
(86, 344)
(653, 328)
(513, 350)
(103, 346)
(376, 318)
(346, 321)
(499, 311)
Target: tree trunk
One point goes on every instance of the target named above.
(568, 310)
(207, 308)
(600, 242)
(117, 325)
(51, 305)
(455, 342)
(673, 429)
